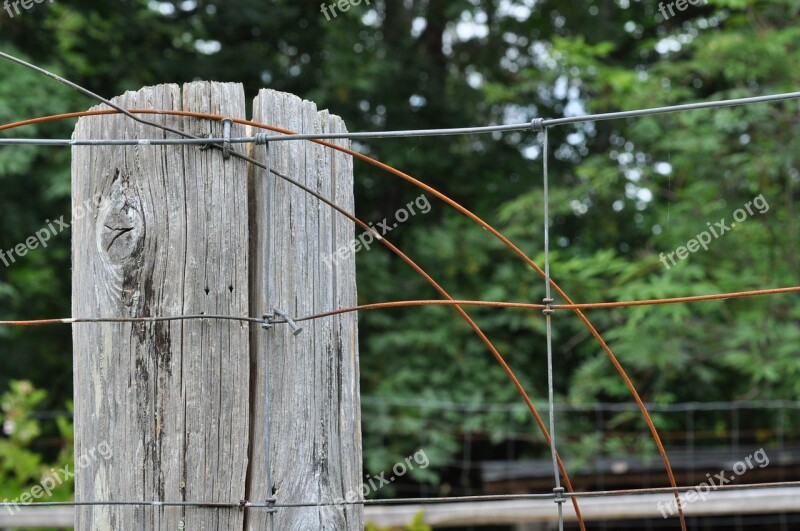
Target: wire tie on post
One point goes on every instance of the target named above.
(271, 504)
(226, 134)
(295, 327)
(537, 124)
(547, 310)
(270, 320)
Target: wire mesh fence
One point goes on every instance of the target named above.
(684, 430)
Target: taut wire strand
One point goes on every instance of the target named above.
(410, 133)
(420, 302)
(243, 504)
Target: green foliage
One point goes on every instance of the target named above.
(36, 189)
(21, 466)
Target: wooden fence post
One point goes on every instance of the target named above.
(175, 411)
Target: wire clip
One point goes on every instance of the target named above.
(227, 123)
(559, 492)
(270, 320)
(226, 146)
(547, 310)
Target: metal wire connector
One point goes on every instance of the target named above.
(559, 492)
(295, 327)
(261, 139)
(227, 123)
(547, 302)
(270, 320)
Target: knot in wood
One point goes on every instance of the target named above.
(121, 226)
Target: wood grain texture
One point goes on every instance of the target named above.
(173, 230)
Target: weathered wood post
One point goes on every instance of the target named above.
(181, 405)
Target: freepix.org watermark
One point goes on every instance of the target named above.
(376, 482)
(43, 235)
(344, 6)
(12, 6)
(57, 477)
(420, 205)
(716, 230)
(714, 482)
(681, 5)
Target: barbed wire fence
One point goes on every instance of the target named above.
(548, 306)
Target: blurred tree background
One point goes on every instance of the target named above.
(623, 191)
